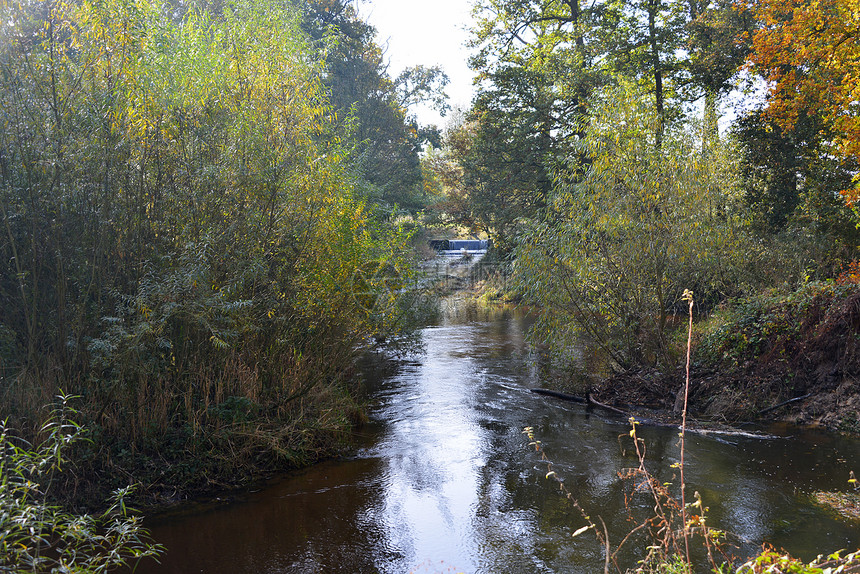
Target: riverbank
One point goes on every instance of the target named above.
(178, 448)
(742, 395)
(791, 357)
(239, 445)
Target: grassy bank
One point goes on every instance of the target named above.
(173, 448)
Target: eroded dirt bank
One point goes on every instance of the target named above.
(794, 358)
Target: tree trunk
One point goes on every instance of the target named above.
(653, 8)
(710, 126)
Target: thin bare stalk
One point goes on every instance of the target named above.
(688, 296)
(606, 546)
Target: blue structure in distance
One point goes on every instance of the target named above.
(458, 244)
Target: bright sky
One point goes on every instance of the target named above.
(428, 33)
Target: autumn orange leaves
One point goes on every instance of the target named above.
(809, 52)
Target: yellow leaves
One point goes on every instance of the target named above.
(218, 343)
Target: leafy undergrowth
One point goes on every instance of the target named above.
(814, 325)
(772, 562)
(754, 355)
(38, 536)
(775, 348)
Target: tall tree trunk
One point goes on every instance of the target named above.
(653, 8)
(710, 125)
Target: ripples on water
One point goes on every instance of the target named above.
(445, 481)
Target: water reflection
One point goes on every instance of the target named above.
(448, 484)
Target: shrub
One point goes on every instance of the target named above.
(37, 536)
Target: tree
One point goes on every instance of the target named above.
(534, 64)
(540, 62)
(644, 43)
(617, 248)
(365, 98)
(718, 44)
(810, 55)
(419, 85)
(791, 182)
(787, 171)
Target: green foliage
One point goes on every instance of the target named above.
(493, 177)
(675, 565)
(385, 144)
(536, 62)
(718, 43)
(772, 323)
(36, 536)
(850, 424)
(181, 216)
(234, 409)
(791, 182)
(420, 84)
(613, 255)
(772, 561)
(540, 64)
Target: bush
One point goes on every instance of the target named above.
(36, 536)
(771, 326)
(619, 244)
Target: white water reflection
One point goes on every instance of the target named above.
(433, 452)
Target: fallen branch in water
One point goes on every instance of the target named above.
(588, 399)
(558, 395)
(783, 403)
(699, 427)
(592, 401)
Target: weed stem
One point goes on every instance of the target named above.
(688, 296)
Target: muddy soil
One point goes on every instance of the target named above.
(733, 398)
(808, 374)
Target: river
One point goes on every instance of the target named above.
(443, 480)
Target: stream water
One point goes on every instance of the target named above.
(444, 479)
